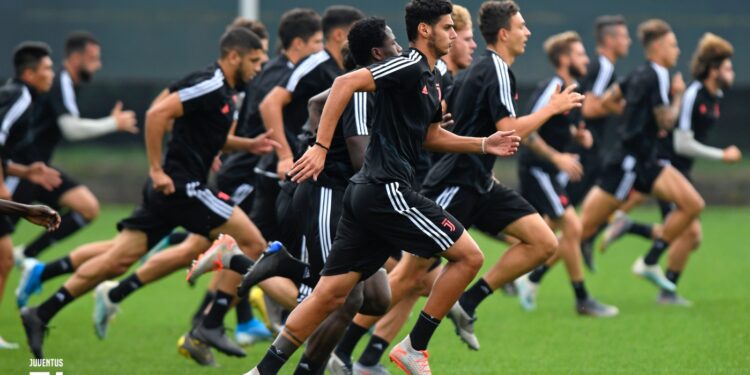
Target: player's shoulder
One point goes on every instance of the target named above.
(12, 91)
(410, 61)
(208, 76)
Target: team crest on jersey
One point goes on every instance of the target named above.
(448, 225)
(225, 109)
(702, 109)
(424, 90)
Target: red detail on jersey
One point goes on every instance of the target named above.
(424, 90)
(223, 196)
(702, 109)
(717, 112)
(447, 224)
(515, 97)
(225, 109)
(564, 200)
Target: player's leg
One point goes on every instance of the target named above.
(671, 186)
(82, 205)
(677, 257)
(6, 261)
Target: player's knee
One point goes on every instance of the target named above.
(376, 303)
(252, 247)
(695, 233)
(573, 227)
(694, 205)
(473, 259)
(545, 245)
(90, 210)
(353, 302)
(329, 300)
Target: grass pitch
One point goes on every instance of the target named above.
(711, 337)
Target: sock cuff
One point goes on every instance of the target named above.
(429, 318)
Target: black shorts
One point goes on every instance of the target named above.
(544, 191)
(263, 212)
(379, 220)
(193, 206)
(26, 192)
(241, 190)
(591, 160)
(624, 174)
(489, 212)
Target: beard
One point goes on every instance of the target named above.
(239, 79)
(575, 72)
(432, 45)
(722, 83)
(85, 75)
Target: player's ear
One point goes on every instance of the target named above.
(377, 54)
(424, 29)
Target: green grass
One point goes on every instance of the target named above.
(712, 337)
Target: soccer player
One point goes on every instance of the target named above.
(651, 106)
(57, 118)
(712, 71)
(544, 160)
(203, 107)
(33, 76)
(406, 286)
(612, 44)
(382, 214)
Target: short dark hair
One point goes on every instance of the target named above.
(711, 52)
(652, 30)
(495, 15)
(298, 23)
(340, 16)
(257, 27)
(424, 11)
(28, 54)
(365, 35)
(238, 39)
(77, 42)
(603, 25)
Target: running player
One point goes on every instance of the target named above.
(57, 117)
(712, 71)
(542, 163)
(380, 207)
(651, 106)
(204, 109)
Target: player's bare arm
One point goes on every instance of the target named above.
(158, 120)
(560, 102)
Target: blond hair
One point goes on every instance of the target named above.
(461, 18)
(559, 44)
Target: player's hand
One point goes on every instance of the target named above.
(284, 166)
(502, 143)
(583, 137)
(263, 144)
(447, 121)
(43, 216)
(161, 181)
(4, 192)
(732, 154)
(216, 164)
(678, 84)
(309, 165)
(569, 164)
(126, 121)
(44, 176)
(566, 100)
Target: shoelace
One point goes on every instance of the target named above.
(422, 362)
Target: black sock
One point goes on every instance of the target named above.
(57, 267)
(69, 224)
(374, 351)
(422, 332)
(272, 361)
(474, 296)
(244, 311)
(673, 276)
(657, 249)
(350, 339)
(308, 367)
(240, 263)
(54, 304)
(537, 274)
(643, 230)
(580, 291)
(177, 237)
(124, 288)
(207, 298)
(219, 308)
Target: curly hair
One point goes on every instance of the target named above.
(365, 35)
(424, 11)
(711, 52)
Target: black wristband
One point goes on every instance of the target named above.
(321, 146)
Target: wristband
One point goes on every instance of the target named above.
(321, 146)
(484, 140)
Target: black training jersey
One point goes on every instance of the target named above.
(240, 164)
(45, 131)
(355, 121)
(556, 131)
(16, 116)
(209, 109)
(646, 88)
(407, 101)
(310, 77)
(599, 76)
(698, 114)
(487, 95)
